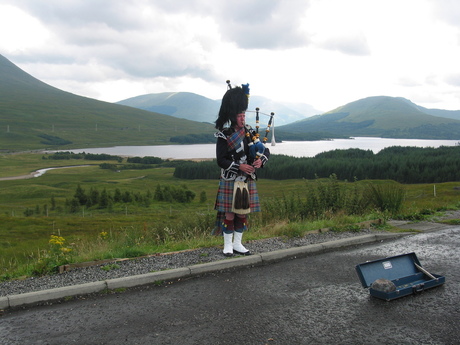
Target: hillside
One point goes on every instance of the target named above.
(450, 114)
(184, 105)
(380, 116)
(187, 105)
(35, 115)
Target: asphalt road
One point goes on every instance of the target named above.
(312, 300)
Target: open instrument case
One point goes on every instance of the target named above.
(396, 277)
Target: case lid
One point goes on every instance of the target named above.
(390, 268)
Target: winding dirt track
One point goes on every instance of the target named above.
(21, 177)
(38, 172)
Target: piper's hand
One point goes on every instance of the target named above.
(257, 163)
(263, 159)
(246, 168)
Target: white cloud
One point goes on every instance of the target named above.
(453, 79)
(354, 44)
(20, 31)
(322, 52)
(263, 24)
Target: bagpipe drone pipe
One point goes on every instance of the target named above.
(256, 146)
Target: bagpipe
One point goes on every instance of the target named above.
(256, 146)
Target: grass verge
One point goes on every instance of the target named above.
(37, 242)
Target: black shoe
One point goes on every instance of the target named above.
(241, 253)
(228, 255)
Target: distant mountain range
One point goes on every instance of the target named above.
(35, 115)
(187, 105)
(381, 116)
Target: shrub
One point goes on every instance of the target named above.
(386, 197)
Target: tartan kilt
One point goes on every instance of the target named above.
(225, 196)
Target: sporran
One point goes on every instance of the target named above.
(240, 203)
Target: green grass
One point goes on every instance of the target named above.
(135, 230)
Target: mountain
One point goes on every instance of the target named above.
(450, 114)
(187, 105)
(184, 105)
(35, 115)
(382, 116)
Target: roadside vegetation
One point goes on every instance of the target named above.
(110, 207)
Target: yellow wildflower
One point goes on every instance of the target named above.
(57, 240)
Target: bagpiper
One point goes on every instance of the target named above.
(239, 154)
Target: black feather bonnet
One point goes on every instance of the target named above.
(234, 102)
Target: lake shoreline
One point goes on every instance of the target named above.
(297, 149)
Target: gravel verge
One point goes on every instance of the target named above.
(154, 263)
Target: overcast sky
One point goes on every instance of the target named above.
(325, 53)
